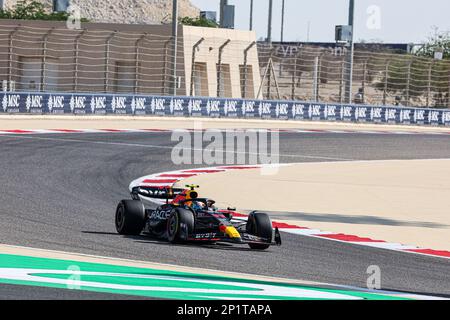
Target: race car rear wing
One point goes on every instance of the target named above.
(157, 195)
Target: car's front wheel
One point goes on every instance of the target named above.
(259, 224)
(180, 225)
(130, 217)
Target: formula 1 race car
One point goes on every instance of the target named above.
(187, 218)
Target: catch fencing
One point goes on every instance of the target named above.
(312, 73)
(56, 59)
(63, 60)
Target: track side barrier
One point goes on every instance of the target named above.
(105, 104)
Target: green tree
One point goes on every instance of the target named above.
(199, 22)
(438, 41)
(33, 10)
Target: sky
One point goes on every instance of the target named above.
(388, 21)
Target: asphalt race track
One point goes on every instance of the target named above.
(60, 192)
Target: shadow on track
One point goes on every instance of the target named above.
(163, 242)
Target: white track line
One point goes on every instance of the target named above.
(154, 130)
(150, 146)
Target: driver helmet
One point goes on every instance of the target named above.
(196, 205)
(210, 203)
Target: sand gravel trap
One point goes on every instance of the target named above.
(398, 201)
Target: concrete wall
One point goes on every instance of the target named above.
(232, 56)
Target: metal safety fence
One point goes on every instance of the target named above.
(56, 59)
(63, 60)
(311, 73)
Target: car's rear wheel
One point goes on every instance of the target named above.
(259, 224)
(130, 217)
(180, 225)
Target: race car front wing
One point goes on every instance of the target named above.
(245, 238)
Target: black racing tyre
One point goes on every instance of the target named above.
(130, 217)
(177, 220)
(259, 225)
